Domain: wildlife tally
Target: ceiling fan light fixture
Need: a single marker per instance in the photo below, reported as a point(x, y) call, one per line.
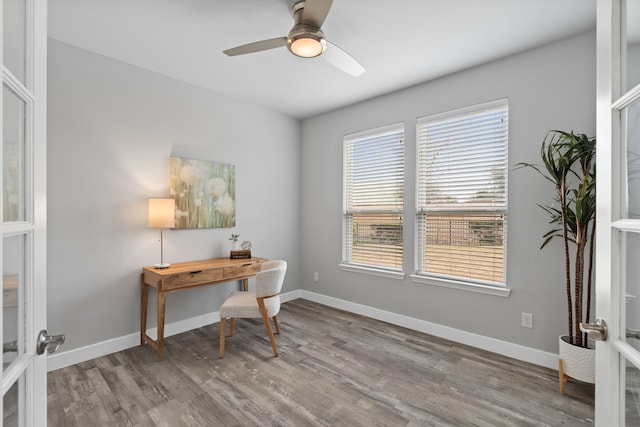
point(306, 38)
point(307, 46)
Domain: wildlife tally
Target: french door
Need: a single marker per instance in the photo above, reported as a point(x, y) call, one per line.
point(618, 212)
point(23, 211)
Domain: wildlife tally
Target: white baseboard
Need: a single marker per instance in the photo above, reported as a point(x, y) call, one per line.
point(516, 351)
point(82, 354)
point(505, 348)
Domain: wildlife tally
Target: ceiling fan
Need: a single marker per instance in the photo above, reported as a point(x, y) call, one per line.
point(306, 38)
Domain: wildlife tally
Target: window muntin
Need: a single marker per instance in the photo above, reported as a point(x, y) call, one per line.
point(461, 181)
point(373, 179)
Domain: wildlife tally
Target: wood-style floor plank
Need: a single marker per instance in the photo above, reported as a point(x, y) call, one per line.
point(335, 369)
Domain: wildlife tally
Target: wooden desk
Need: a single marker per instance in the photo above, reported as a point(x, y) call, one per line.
point(188, 275)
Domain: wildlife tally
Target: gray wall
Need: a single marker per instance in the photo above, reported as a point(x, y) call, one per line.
point(552, 87)
point(112, 128)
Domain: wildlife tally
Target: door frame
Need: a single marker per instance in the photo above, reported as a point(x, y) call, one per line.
point(30, 369)
point(606, 391)
point(612, 98)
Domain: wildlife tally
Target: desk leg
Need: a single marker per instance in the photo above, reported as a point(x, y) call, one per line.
point(245, 284)
point(162, 297)
point(144, 300)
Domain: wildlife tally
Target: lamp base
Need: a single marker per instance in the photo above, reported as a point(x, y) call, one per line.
point(161, 265)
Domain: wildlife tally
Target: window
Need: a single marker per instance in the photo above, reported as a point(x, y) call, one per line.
point(461, 176)
point(373, 199)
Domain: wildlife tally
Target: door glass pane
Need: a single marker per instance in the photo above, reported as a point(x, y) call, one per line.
point(631, 282)
point(631, 137)
point(13, 152)
point(13, 280)
point(13, 413)
point(633, 44)
point(631, 400)
point(14, 23)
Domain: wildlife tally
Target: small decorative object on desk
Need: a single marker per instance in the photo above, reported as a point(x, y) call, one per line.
point(235, 243)
point(240, 254)
point(236, 252)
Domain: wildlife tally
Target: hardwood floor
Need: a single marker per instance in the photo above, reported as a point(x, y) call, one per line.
point(334, 369)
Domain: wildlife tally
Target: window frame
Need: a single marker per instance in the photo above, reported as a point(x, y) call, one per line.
point(452, 281)
point(347, 263)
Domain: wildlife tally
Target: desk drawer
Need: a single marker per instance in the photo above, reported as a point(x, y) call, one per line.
point(183, 280)
point(241, 270)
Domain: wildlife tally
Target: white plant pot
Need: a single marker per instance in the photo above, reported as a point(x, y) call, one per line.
point(235, 245)
point(578, 362)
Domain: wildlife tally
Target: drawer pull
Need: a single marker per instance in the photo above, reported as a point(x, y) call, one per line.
point(247, 264)
point(195, 272)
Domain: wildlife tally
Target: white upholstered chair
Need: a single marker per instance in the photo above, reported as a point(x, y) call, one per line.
point(263, 303)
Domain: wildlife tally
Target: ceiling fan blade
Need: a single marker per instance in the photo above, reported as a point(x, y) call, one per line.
point(256, 46)
point(315, 12)
point(342, 60)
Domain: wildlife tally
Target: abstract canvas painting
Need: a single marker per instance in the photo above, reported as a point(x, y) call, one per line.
point(205, 193)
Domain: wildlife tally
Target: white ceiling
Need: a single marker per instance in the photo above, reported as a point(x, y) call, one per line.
point(400, 42)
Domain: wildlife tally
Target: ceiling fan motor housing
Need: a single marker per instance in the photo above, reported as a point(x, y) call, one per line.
point(304, 40)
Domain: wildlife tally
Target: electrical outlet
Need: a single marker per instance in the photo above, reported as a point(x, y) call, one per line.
point(527, 320)
point(316, 277)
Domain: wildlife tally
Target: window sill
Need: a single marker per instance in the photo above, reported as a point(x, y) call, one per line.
point(463, 286)
point(399, 275)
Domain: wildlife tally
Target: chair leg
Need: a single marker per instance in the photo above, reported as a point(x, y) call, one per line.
point(276, 324)
point(232, 326)
point(223, 332)
point(267, 324)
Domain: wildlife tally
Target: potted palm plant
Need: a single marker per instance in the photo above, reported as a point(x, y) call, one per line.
point(568, 162)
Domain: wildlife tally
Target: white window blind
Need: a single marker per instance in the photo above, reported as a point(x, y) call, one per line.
point(462, 193)
point(373, 197)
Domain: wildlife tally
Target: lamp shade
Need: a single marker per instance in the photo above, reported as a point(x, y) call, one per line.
point(162, 213)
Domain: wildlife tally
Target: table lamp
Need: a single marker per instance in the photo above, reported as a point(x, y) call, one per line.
point(162, 215)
